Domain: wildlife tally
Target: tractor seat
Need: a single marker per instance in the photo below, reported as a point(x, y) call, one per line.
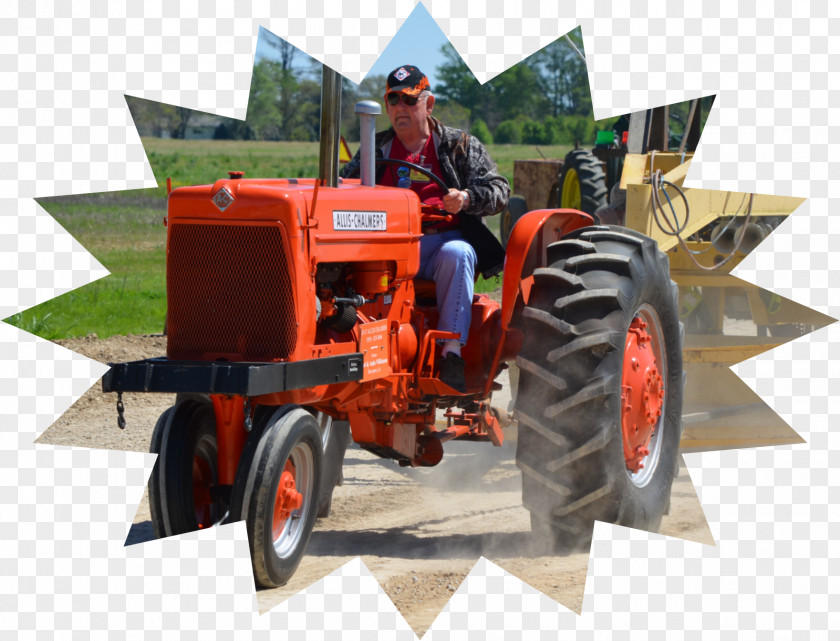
point(425, 291)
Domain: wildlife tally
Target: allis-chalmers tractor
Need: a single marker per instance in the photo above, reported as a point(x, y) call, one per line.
point(294, 316)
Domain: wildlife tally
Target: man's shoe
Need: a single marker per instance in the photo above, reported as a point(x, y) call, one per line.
point(452, 372)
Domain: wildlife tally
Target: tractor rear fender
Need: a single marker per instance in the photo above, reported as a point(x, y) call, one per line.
point(526, 250)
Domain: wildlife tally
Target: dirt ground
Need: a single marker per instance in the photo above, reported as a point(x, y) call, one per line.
point(419, 531)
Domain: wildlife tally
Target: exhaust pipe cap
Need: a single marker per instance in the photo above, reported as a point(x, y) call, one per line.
point(368, 107)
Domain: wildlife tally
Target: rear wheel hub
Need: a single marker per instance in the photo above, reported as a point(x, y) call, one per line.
point(570, 196)
point(642, 394)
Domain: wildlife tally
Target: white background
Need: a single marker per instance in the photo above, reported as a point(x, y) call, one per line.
point(65, 128)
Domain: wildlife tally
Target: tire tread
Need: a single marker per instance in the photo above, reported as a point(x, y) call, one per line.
point(571, 365)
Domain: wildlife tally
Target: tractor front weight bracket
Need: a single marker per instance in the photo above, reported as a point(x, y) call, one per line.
point(231, 378)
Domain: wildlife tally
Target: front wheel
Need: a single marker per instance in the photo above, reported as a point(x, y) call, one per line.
point(277, 491)
point(184, 494)
point(335, 437)
point(599, 402)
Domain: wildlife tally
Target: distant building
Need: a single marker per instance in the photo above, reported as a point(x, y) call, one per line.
point(202, 127)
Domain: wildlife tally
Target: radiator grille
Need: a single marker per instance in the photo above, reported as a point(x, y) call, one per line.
point(229, 293)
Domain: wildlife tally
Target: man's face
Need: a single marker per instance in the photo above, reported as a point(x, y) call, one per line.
point(410, 120)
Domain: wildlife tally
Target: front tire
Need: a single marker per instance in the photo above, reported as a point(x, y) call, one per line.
point(277, 491)
point(335, 437)
point(591, 445)
point(183, 487)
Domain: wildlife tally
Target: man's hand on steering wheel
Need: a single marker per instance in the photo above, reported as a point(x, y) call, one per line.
point(455, 200)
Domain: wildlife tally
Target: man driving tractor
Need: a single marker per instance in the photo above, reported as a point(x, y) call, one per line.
point(296, 314)
point(452, 250)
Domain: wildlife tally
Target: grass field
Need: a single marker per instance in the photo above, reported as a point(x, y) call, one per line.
point(204, 161)
point(124, 230)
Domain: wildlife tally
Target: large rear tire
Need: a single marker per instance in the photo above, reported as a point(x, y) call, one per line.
point(591, 445)
point(183, 487)
point(583, 183)
point(277, 490)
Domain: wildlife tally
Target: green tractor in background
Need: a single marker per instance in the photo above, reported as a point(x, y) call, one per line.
point(589, 180)
point(633, 178)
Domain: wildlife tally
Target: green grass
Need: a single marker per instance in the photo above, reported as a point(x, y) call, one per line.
point(132, 300)
point(113, 220)
point(199, 162)
point(124, 230)
point(205, 161)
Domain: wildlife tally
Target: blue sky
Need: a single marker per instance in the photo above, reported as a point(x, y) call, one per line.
point(417, 42)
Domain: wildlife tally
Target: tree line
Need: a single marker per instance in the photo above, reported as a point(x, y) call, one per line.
point(544, 99)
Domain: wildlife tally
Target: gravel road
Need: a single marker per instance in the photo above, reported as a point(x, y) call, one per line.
point(419, 531)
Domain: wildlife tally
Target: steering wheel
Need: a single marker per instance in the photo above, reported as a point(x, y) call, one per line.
point(426, 215)
point(417, 168)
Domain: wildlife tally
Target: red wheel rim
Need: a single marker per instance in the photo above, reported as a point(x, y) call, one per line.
point(202, 478)
point(642, 394)
point(288, 500)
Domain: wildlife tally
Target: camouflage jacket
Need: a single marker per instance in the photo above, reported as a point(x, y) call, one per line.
point(465, 164)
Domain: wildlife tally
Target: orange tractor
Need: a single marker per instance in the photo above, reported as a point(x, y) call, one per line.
point(294, 320)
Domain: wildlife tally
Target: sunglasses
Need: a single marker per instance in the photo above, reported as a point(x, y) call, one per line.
point(393, 99)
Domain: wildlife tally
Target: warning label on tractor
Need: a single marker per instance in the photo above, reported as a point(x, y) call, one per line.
point(373, 344)
point(360, 221)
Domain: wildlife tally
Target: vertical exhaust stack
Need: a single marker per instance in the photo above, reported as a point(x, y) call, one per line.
point(330, 119)
point(367, 110)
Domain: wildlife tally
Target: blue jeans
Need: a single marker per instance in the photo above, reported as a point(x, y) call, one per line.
point(450, 261)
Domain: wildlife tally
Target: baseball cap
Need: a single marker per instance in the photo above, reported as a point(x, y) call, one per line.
point(407, 79)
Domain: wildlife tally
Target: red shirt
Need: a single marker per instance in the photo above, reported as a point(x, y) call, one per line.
point(428, 191)
point(423, 186)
